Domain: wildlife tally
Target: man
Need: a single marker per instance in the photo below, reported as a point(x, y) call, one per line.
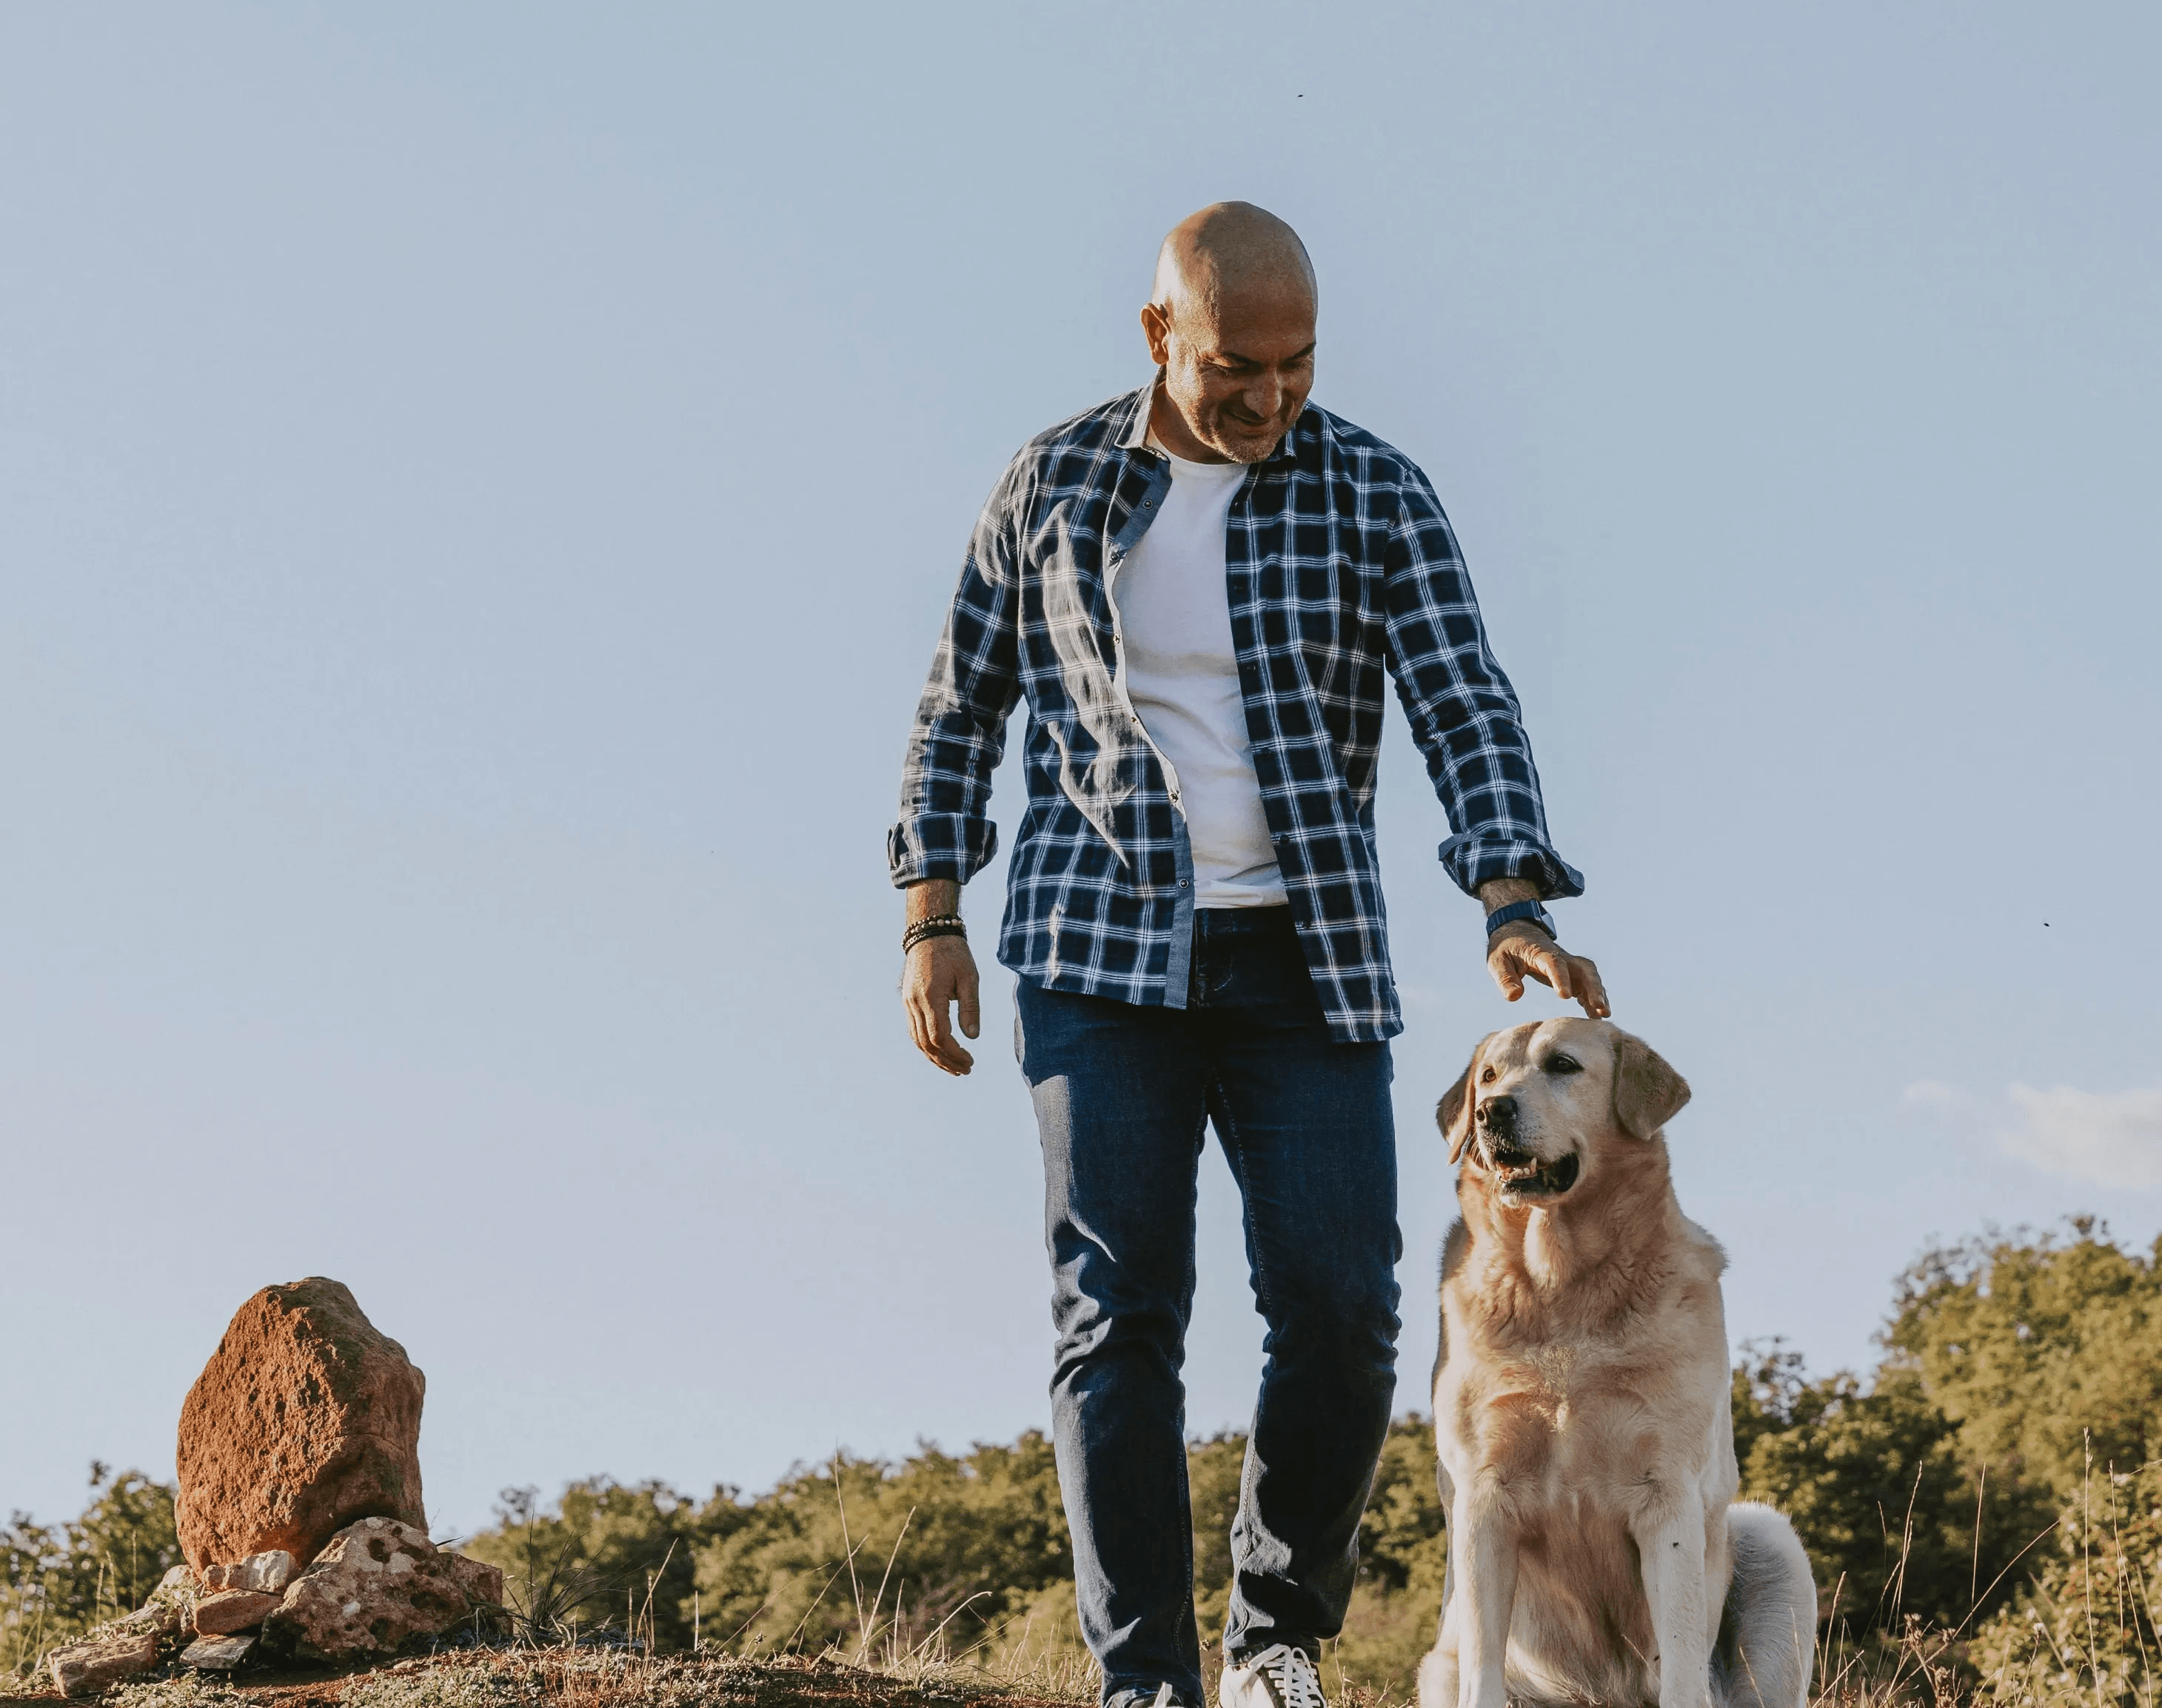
point(1198, 587)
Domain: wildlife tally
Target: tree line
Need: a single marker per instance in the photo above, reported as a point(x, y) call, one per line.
point(1987, 1501)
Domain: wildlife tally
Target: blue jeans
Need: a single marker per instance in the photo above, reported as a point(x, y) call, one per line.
point(1121, 1094)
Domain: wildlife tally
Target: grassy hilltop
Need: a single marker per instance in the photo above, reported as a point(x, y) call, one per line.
point(1985, 1516)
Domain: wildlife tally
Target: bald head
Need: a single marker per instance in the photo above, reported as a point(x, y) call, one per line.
point(1230, 324)
point(1228, 252)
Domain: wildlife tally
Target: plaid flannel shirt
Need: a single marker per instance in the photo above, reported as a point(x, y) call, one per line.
point(1340, 564)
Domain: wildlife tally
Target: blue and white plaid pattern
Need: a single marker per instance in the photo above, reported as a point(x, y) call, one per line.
point(1340, 565)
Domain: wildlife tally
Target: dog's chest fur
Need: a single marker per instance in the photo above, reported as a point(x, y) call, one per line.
point(1576, 1392)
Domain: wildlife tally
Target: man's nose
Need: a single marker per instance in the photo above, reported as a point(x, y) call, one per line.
point(1264, 397)
point(1498, 1114)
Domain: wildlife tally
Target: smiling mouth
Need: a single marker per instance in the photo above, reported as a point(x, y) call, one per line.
point(1532, 1179)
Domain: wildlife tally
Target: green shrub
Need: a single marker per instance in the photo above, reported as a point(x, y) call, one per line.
point(860, 1556)
point(2084, 1624)
point(2043, 1350)
point(1883, 1498)
point(58, 1581)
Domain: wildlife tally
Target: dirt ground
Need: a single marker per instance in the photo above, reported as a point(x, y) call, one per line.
point(552, 1679)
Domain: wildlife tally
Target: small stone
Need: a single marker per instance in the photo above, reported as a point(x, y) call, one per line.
point(181, 1577)
point(377, 1585)
point(225, 1612)
point(159, 1618)
point(92, 1666)
point(216, 1654)
point(482, 1582)
point(269, 1572)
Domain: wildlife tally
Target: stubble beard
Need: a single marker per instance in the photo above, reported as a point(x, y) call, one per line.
point(1246, 447)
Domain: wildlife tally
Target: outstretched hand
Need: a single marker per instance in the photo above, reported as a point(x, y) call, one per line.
point(940, 973)
point(1522, 951)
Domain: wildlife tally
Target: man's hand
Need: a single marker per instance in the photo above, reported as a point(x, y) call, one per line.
point(1522, 951)
point(1519, 951)
point(940, 972)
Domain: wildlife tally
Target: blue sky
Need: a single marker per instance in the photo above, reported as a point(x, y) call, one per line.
point(478, 489)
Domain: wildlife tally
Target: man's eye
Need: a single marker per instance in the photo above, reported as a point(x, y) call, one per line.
point(1563, 1064)
point(1487, 1078)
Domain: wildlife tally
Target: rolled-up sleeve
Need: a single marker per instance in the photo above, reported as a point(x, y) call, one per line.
point(961, 719)
point(1463, 714)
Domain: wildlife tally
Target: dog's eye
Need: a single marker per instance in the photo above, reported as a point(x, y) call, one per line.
point(1563, 1064)
point(1487, 1078)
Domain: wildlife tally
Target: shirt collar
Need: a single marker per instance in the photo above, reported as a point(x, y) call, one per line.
point(1135, 437)
point(1136, 434)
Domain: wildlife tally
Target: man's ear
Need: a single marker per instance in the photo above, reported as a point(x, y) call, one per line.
point(1156, 327)
point(1648, 1094)
point(1453, 1113)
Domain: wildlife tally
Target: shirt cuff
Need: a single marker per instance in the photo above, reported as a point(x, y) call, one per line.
point(949, 845)
point(1481, 856)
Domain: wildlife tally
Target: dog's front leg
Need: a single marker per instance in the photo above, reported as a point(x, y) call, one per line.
point(1482, 1561)
point(1669, 1539)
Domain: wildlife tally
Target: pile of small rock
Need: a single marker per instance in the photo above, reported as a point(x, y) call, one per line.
point(299, 1443)
point(376, 1586)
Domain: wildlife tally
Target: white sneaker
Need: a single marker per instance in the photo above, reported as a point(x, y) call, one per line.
point(1280, 1676)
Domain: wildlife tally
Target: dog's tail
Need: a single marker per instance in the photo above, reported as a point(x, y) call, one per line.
point(1768, 1632)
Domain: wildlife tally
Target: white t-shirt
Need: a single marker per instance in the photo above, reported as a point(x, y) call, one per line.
point(1177, 666)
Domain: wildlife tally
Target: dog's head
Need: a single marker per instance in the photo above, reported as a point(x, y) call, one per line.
point(1538, 1100)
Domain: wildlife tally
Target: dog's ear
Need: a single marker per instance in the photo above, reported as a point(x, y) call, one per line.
point(1648, 1094)
point(1453, 1113)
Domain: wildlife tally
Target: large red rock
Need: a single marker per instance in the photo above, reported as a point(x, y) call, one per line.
point(304, 1419)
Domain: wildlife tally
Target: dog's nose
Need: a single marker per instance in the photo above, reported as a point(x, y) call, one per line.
point(1497, 1115)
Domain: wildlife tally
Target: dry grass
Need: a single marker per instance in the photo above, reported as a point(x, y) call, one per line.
point(582, 1678)
point(1917, 1670)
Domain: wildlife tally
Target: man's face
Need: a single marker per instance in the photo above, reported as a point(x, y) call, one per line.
point(1237, 377)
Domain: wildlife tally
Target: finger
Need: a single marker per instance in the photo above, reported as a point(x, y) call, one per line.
point(1503, 966)
point(1559, 968)
point(972, 1013)
point(922, 1029)
point(1532, 963)
point(947, 1050)
point(942, 1023)
point(911, 1008)
point(950, 1056)
point(1594, 993)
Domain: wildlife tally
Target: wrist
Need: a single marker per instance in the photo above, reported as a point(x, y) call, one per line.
point(1499, 892)
point(929, 898)
point(1529, 911)
point(934, 925)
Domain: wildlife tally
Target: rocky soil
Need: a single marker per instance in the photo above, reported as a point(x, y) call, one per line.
point(580, 1679)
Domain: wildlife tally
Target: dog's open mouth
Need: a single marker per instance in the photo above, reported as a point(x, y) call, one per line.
point(1532, 1179)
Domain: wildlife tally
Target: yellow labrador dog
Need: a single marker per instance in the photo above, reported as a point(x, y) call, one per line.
point(1596, 1553)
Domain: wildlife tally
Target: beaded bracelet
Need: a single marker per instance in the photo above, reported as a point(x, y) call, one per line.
point(937, 925)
